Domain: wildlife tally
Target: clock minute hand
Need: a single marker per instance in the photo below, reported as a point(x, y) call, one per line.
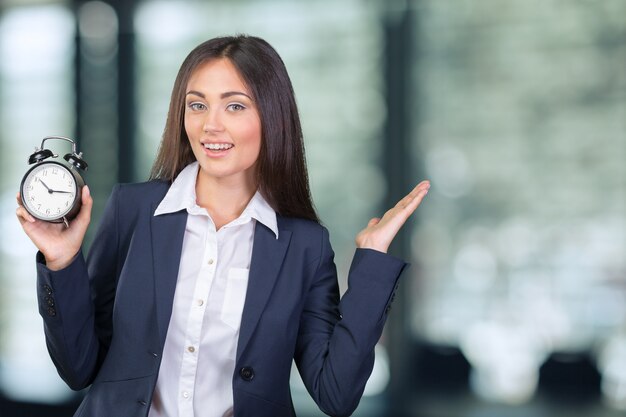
point(63, 192)
point(47, 188)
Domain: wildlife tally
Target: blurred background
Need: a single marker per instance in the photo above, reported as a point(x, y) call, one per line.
point(515, 303)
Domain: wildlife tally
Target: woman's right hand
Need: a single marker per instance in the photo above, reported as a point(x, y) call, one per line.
point(57, 243)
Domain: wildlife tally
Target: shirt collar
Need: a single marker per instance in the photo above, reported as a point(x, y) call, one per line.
point(182, 193)
point(182, 196)
point(260, 210)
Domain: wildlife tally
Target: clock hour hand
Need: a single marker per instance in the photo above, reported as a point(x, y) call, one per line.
point(64, 192)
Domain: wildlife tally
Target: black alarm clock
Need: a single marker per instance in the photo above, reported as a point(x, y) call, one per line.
point(51, 190)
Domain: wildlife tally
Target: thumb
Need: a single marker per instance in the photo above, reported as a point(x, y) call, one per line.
point(84, 215)
point(373, 222)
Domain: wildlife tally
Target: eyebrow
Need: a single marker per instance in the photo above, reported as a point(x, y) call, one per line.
point(223, 95)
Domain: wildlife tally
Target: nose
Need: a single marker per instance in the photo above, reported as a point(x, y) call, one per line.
point(212, 122)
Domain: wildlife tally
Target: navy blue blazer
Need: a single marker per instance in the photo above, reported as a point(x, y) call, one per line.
point(106, 319)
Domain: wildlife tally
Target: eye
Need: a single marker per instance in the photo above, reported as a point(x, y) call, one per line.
point(196, 106)
point(236, 107)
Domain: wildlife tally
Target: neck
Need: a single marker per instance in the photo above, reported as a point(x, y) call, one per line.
point(224, 198)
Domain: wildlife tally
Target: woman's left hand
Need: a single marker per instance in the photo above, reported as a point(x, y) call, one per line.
point(380, 231)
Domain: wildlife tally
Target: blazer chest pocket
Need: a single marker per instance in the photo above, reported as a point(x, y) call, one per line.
point(235, 297)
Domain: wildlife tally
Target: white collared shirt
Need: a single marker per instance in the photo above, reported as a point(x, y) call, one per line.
point(196, 373)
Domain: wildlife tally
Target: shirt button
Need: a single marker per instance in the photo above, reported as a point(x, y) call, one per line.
point(191, 349)
point(210, 262)
point(200, 302)
point(185, 394)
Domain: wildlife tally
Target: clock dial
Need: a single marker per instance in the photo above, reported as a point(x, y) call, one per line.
point(49, 191)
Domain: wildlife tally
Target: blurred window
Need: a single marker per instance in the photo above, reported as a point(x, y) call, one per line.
point(36, 100)
point(522, 131)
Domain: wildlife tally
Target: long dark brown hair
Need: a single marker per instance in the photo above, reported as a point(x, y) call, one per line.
point(281, 168)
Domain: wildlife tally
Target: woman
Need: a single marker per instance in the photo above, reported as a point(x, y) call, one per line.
point(203, 284)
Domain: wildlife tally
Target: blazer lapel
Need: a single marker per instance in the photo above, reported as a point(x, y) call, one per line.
point(267, 258)
point(168, 231)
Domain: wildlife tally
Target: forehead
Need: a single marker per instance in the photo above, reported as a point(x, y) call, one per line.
point(218, 75)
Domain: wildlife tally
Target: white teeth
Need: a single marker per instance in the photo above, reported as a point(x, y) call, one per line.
point(218, 146)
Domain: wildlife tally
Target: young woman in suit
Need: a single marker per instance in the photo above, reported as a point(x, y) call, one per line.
point(204, 283)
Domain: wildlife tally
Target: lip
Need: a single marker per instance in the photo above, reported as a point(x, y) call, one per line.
point(216, 154)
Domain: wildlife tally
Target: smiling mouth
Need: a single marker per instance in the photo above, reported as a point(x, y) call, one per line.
point(218, 147)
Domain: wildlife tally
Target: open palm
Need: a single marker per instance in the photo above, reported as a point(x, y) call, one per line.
point(380, 232)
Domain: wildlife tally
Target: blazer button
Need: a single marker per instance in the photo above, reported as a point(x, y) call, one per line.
point(47, 289)
point(50, 301)
point(51, 311)
point(246, 373)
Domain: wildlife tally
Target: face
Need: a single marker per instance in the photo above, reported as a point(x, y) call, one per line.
point(222, 123)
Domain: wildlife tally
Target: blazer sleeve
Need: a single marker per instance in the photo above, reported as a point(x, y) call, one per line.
point(76, 304)
point(335, 346)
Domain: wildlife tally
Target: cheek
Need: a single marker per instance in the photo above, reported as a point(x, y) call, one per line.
point(189, 125)
point(252, 133)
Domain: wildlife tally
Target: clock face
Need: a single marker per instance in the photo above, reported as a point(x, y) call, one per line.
point(49, 191)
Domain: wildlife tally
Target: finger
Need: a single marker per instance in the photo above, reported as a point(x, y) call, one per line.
point(23, 215)
point(401, 212)
point(418, 189)
point(373, 222)
point(21, 212)
point(415, 201)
